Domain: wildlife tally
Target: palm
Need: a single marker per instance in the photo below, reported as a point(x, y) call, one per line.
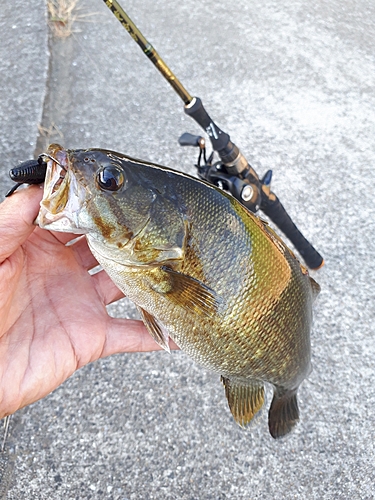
point(53, 318)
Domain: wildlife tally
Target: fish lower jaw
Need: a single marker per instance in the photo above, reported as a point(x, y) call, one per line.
point(60, 222)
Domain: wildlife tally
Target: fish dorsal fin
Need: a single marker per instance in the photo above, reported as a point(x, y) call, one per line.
point(244, 399)
point(157, 332)
point(187, 292)
point(315, 287)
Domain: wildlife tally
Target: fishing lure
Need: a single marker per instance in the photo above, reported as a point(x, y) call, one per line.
point(30, 172)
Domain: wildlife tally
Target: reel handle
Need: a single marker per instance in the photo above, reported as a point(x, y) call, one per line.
point(187, 139)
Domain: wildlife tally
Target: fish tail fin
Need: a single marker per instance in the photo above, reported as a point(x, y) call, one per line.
point(244, 399)
point(283, 414)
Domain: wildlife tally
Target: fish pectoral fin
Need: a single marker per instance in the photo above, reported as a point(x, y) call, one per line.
point(186, 292)
point(283, 413)
point(157, 332)
point(245, 399)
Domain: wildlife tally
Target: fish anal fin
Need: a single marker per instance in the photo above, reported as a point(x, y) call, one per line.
point(186, 292)
point(157, 332)
point(283, 413)
point(245, 399)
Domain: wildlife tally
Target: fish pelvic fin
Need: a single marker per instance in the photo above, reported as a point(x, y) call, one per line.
point(157, 332)
point(283, 413)
point(245, 399)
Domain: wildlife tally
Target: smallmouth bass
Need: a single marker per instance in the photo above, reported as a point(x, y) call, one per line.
point(200, 267)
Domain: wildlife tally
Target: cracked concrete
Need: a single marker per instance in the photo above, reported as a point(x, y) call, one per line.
point(57, 102)
point(293, 84)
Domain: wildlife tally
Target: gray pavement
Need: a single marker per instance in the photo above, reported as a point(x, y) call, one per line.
point(294, 85)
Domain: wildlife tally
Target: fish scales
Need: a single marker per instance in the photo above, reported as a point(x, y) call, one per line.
point(201, 269)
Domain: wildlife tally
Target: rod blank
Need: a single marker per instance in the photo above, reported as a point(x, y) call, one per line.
point(148, 49)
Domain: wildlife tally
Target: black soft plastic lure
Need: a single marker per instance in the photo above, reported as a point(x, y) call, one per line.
point(29, 172)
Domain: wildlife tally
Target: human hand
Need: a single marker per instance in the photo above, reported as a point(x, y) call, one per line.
point(53, 318)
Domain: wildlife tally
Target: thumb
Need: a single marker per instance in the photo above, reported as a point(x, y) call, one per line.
point(17, 214)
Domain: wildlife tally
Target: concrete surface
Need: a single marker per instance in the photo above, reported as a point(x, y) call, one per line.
point(24, 60)
point(294, 85)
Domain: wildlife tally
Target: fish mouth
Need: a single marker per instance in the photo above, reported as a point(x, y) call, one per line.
point(63, 196)
point(56, 176)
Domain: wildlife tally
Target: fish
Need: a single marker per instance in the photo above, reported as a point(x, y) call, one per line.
point(201, 269)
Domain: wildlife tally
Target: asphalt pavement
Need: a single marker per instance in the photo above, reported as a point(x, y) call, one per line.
point(294, 85)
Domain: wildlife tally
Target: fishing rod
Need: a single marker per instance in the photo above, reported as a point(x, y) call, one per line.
point(233, 172)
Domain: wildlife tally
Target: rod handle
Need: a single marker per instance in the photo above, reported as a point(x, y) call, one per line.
point(220, 140)
point(273, 208)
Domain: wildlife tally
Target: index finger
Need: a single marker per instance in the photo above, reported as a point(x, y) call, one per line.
point(17, 214)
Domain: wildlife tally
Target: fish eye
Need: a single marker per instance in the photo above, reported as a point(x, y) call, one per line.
point(110, 178)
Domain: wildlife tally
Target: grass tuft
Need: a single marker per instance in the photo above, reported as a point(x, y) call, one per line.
point(62, 15)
